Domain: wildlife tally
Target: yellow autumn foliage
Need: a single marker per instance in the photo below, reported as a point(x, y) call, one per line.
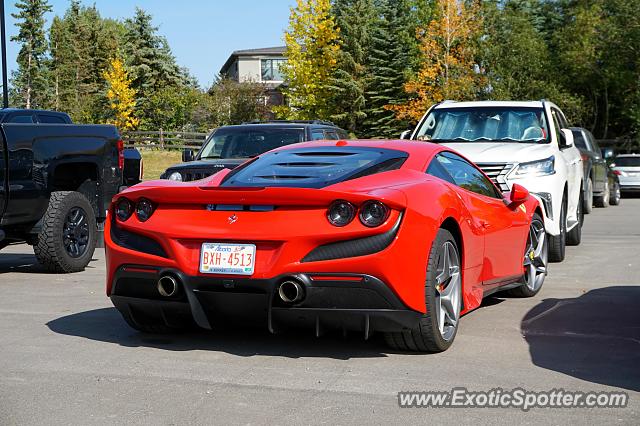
point(448, 69)
point(121, 96)
point(312, 41)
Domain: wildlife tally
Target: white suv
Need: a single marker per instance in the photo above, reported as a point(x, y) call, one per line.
point(518, 142)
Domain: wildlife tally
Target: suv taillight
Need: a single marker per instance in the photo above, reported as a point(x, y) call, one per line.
point(120, 154)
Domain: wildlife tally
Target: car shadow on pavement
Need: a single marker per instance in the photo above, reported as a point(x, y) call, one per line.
point(594, 337)
point(20, 262)
point(23, 263)
point(107, 325)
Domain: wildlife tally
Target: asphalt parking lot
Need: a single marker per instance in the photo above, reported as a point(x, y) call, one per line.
point(67, 357)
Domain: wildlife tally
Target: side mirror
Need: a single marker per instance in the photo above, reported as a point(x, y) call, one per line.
point(607, 153)
point(566, 138)
point(406, 134)
point(187, 155)
point(518, 195)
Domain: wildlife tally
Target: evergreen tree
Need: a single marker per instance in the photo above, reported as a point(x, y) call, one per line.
point(389, 64)
point(149, 57)
point(355, 20)
point(312, 48)
point(30, 81)
point(150, 62)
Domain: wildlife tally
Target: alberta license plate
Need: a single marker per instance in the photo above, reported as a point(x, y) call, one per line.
point(237, 259)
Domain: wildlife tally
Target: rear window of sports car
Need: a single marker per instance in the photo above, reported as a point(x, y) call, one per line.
point(314, 167)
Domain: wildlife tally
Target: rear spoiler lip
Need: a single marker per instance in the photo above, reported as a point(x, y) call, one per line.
point(281, 196)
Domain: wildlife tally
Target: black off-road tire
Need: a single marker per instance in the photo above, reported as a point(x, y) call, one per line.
point(426, 337)
point(49, 248)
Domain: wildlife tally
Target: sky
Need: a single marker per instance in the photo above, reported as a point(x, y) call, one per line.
point(202, 34)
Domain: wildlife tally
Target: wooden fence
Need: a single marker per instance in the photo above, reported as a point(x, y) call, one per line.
point(164, 140)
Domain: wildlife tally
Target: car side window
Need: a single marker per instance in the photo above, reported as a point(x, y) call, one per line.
point(467, 176)
point(50, 119)
point(343, 135)
point(436, 169)
point(317, 135)
point(331, 135)
point(23, 118)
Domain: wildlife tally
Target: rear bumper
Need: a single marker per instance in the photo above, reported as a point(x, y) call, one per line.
point(345, 301)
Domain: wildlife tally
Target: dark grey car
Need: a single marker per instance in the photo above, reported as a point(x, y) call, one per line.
point(601, 185)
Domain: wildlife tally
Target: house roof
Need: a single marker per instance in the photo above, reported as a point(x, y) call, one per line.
point(265, 51)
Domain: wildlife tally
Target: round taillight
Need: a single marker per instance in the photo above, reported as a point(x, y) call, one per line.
point(144, 209)
point(373, 213)
point(124, 209)
point(341, 213)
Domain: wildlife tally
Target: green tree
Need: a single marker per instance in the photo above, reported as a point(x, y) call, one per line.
point(30, 81)
point(355, 20)
point(151, 64)
point(312, 49)
point(389, 64)
point(81, 45)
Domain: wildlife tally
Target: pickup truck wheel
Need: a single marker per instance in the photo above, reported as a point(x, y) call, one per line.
point(602, 201)
point(68, 237)
point(588, 197)
point(557, 243)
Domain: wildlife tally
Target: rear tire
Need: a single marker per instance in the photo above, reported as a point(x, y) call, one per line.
point(588, 198)
point(557, 243)
point(616, 195)
point(68, 236)
point(443, 297)
point(535, 260)
point(574, 237)
point(602, 201)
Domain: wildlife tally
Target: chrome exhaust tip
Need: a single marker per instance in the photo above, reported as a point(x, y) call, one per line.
point(168, 286)
point(291, 291)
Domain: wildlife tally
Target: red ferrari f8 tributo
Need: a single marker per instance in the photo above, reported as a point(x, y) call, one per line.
point(397, 237)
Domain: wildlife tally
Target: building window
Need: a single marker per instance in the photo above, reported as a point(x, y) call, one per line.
point(271, 69)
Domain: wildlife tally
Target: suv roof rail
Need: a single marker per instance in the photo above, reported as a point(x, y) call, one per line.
point(447, 101)
point(323, 122)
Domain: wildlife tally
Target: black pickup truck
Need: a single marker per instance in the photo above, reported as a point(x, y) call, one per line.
point(56, 182)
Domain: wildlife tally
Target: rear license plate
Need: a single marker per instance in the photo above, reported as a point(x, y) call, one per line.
point(236, 259)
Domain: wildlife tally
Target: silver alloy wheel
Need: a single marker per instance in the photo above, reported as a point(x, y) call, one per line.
point(536, 256)
point(448, 290)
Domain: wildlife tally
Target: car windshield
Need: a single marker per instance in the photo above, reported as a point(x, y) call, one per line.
point(247, 142)
point(485, 124)
point(314, 167)
point(627, 162)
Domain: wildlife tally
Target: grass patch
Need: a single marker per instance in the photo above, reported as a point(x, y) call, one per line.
point(156, 162)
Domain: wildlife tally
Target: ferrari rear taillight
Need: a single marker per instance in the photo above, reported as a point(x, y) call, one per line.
point(144, 209)
point(341, 213)
point(120, 146)
point(373, 213)
point(124, 209)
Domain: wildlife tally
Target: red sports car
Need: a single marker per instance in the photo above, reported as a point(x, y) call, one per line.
point(392, 236)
